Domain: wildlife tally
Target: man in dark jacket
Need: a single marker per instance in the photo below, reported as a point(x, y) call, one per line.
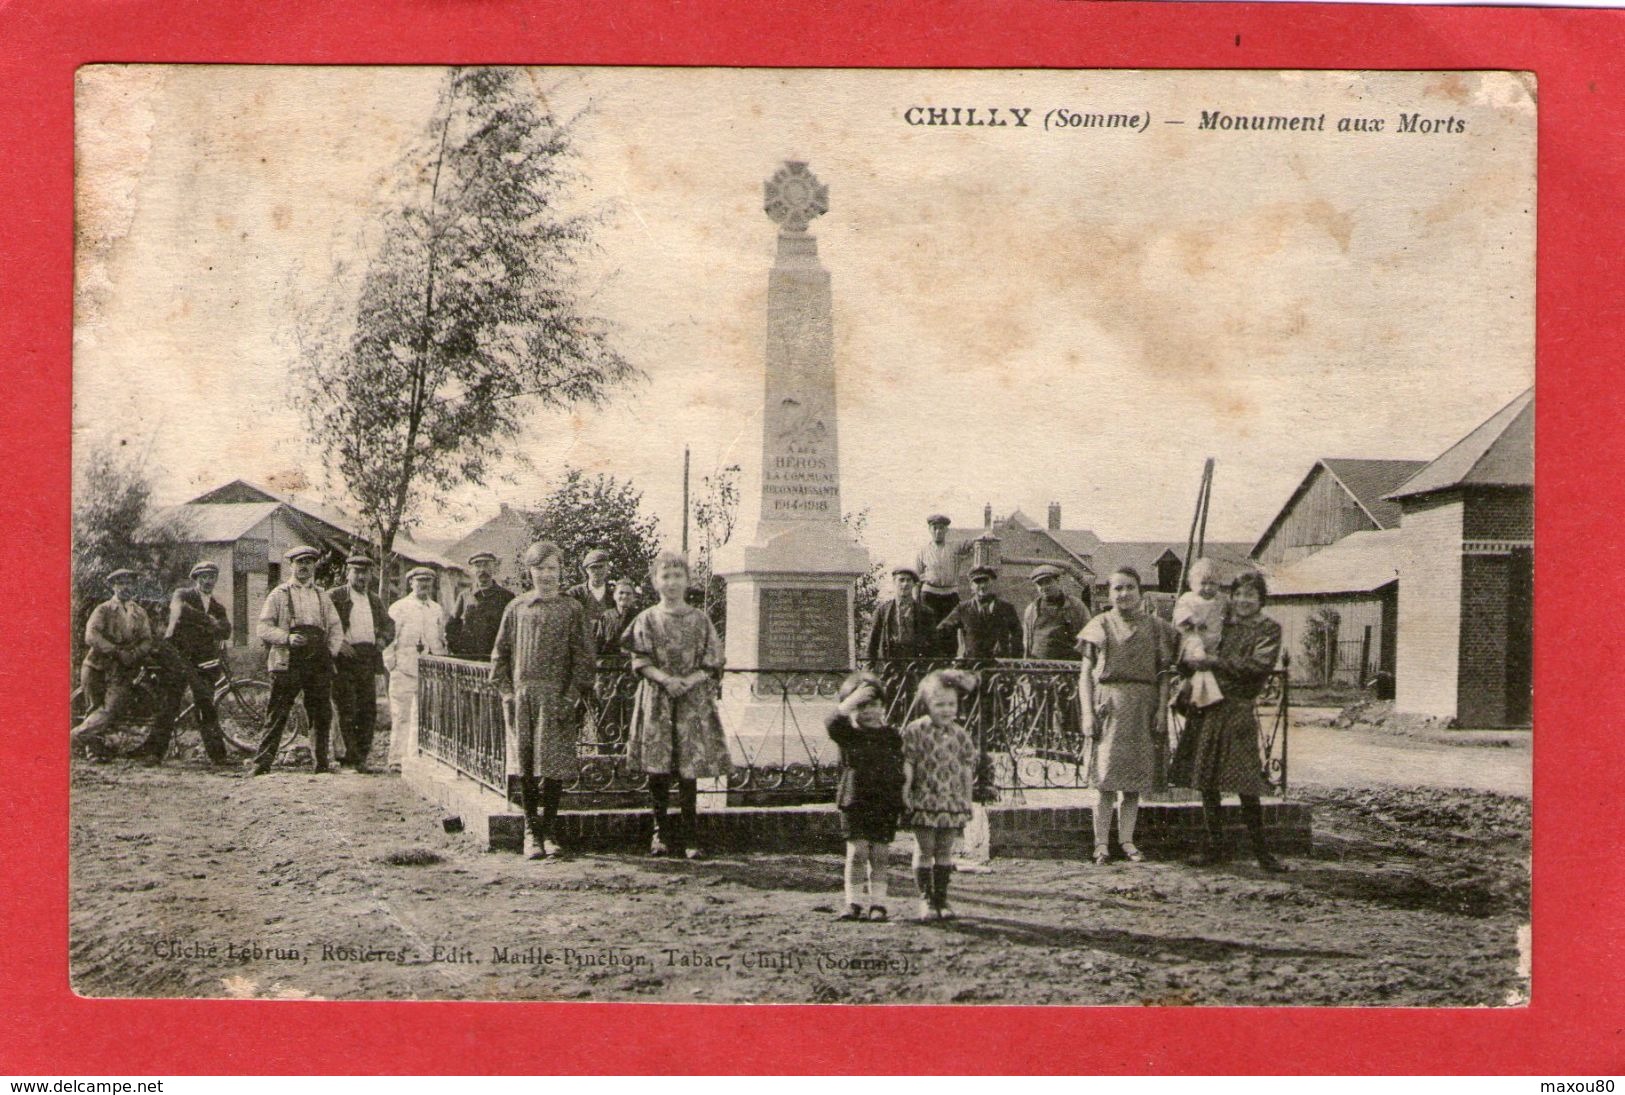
point(198, 624)
point(597, 593)
point(367, 630)
point(988, 626)
point(903, 627)
point(471, 630)
point(1053, 619)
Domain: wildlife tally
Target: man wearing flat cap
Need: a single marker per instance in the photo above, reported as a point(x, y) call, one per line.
point(198, 624)
point(119, 638)
point(938, 569)
point(595, 594)
point(986, 625)
point(367, 630)
point(301, 632)
point(420, 628)
point(902, 628)
point(1053, 619)
point(472, 626)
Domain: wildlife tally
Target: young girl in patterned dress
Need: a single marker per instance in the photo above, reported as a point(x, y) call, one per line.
point(939, 771)
point(676, 731)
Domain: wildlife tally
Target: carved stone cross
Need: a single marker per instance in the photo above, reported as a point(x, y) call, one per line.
point(794, 196)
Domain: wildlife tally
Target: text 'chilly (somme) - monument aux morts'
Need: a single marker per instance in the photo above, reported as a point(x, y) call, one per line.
point(791, 583)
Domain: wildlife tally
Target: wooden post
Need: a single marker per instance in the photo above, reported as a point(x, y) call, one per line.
point(685, 501)
point(1365, 656)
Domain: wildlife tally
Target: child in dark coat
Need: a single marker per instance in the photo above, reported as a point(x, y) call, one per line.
point(870, 792)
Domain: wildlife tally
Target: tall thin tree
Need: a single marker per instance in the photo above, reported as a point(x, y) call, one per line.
point(470, 309)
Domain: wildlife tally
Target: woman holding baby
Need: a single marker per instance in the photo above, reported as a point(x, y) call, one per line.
point(1218, 751)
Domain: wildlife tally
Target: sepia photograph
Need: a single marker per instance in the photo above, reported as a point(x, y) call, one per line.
point(840, 536)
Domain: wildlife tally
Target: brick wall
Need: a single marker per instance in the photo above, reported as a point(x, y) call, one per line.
point(1426, 670)
point(1483, 680)
point(1500, 515)
point(1043, 832)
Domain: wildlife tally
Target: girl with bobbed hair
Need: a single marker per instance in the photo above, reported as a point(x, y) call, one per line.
point(1218, 752)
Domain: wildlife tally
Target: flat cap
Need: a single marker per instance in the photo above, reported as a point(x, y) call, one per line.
point(359, 560)
point(938, 519)
point(478, 555)
point(906, 568)
point(204, 567)
point(123, 574)
point(983, 572)
point(303, 551)
point(1045, 572)
point(595, 556)
point(419, 572)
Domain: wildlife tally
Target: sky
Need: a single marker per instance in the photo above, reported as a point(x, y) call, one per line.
point(1022, 315)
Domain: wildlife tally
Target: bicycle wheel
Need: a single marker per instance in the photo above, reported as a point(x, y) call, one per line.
point(242, 706)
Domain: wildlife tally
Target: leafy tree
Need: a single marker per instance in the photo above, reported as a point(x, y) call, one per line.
point(583, 513)
point(716, 512)
point(867, 593)
point(469, 309)
point(116, 526)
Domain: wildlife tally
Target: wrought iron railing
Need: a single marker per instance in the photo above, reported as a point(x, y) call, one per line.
point(1024, 716)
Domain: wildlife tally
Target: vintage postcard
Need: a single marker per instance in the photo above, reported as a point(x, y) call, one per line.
point(803, 536)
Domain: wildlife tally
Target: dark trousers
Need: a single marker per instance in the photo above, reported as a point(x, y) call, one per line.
point(184, 674)
point(937, 606)
point(355, 694)
point(310, 673)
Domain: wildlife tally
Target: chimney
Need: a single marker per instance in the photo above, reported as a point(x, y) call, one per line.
point(504, 509)
point(1054, 515)
point(987, 515)
point(986, 552)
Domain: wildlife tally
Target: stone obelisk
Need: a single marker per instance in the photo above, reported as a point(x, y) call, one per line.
point(790, 584)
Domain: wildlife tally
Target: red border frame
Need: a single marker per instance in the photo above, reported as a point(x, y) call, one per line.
point(1572, 1027)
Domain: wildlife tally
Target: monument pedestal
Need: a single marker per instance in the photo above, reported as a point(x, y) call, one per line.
point(789, 641)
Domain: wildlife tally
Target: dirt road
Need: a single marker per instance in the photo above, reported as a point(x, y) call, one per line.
point(187, 882)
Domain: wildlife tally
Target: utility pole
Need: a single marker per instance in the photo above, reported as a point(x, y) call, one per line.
point(685, 500)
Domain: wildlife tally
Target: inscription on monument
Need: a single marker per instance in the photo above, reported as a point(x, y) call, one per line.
point(803, 629)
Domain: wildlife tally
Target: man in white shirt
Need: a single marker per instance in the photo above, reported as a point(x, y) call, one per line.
point(420, 628)
point(367, 630)
point(301, 633)
point(939, 580)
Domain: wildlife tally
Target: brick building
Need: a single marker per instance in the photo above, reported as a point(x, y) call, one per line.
point(1016, 545)
point(1466, 599)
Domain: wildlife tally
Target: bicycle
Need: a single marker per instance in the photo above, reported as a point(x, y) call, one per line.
point(240, 702)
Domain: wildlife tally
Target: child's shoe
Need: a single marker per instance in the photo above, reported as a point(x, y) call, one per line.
point(657, 847)
point(1133, 854)
point(1103, 855)
point(853, 912)
point(693, 853)
point(878, 913)
point(923, 911)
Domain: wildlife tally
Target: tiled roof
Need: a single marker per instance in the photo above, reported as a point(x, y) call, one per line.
point(1142, 555)
point(1499, 453)
point(1358, 563)
point(243, 492)
point(221, 523)
point(1370, 481)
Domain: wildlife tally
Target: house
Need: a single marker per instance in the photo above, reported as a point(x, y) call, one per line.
point(1466, 601)
point(1016, 545)
point(506, 536)
point(1355, 582)
point(244, 528)
point(1335, 499)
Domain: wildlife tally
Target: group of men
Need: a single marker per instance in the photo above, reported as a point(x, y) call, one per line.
point(324, 647)
point(927, 619)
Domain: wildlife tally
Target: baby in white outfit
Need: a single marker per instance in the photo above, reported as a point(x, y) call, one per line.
point(1199, 616)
